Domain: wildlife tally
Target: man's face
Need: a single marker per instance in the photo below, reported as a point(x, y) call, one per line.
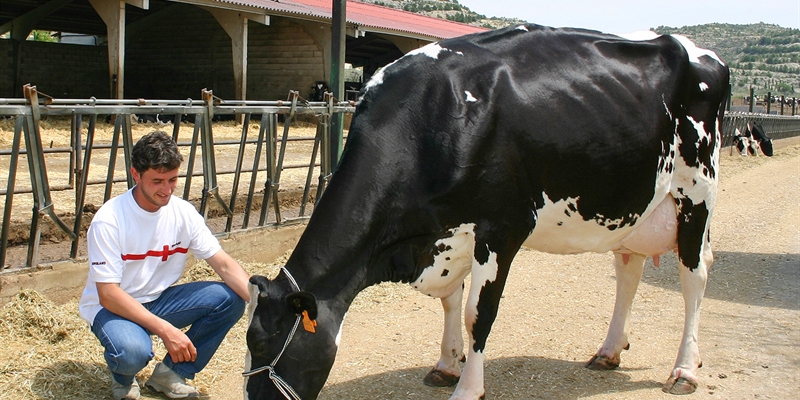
point(154, 187)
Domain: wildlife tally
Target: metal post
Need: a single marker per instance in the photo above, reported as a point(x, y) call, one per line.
point(210, 187)
point(730, 98)
point(12, 180)
point(769, 102)
point(752, 98)
point(42, 203)
point(783, 100)
point(338, 47)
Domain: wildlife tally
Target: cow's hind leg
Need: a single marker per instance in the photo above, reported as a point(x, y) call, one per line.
point(683, 379)
point(628, 276)
point(447, 369)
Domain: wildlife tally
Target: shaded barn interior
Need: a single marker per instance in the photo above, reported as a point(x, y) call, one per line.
point(173, 49)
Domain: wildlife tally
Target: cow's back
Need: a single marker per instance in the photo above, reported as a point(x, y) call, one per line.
point(575, 128)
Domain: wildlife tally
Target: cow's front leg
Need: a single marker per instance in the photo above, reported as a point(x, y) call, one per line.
point(683, 379)
point(480, 311)
point(629, 273)
point(447, 369)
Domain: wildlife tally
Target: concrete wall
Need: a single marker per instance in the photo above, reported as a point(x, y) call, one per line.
point(59, 70)
point(282, 57)
point(178, 57)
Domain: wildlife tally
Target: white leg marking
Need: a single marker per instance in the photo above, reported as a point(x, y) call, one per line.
point(452, 341)
point(470, 386)
point(628, 277)
point(693, 284)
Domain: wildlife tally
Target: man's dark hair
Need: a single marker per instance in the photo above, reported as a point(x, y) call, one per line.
point(157, 151)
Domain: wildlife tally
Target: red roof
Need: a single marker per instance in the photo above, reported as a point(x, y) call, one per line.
point(368, 17)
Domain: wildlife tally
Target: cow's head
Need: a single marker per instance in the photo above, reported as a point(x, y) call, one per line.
point(304, 358)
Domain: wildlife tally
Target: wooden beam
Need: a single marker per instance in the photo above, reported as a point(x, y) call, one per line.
point(22, 26)
point(113, 14)
point(235, 24)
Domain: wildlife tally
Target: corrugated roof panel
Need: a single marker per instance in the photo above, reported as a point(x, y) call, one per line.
point(368, 15)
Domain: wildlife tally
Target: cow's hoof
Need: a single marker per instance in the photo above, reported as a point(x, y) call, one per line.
point(679, 386)
point(438, 378)
point(602, 363)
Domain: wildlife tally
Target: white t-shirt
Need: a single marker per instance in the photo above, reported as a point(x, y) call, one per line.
point(145, 252)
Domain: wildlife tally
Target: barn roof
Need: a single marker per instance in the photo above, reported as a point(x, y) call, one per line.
point(367, 17)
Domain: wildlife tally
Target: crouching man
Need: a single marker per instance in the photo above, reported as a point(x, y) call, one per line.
point(138, 244)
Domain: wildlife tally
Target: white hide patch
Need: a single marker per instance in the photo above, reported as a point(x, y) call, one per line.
point(694, 52)
point(431, 50)
point(639, 35)
point(484, 273)
point(700, 127)
point(690, 180)
point(375, 81)
point(469, 97)
point(522, 28)
point(560, 229)
point(666, 107)
point(703, 86)
point(339, 334)
point(451, 265)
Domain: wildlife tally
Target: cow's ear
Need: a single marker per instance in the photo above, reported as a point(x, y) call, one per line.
point(302, 301)
point(262, 285)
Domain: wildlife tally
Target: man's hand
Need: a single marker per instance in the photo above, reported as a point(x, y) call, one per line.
point(180, 348)
point(114, 299)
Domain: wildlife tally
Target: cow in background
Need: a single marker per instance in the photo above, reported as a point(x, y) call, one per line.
point(318, 91)
point(459, 153)
point(753, 140)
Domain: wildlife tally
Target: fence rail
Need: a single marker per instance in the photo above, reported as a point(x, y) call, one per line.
point(268, 159)
point(261, 192)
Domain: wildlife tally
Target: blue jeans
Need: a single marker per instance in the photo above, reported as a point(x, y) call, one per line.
point(211, 308)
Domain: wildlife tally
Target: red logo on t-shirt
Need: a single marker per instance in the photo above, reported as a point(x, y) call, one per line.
point(164, 254)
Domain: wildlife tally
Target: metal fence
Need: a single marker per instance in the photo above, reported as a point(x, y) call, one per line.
point(273, 120)
point(775, 126)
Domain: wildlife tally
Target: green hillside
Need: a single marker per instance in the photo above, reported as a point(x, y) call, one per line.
point(762, 56)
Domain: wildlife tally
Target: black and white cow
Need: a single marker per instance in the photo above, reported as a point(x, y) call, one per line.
point(744, 143)
point(459, 153)
point(753, 140)
point(759, 136)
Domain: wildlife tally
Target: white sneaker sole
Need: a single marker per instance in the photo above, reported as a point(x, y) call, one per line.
point(161, 389)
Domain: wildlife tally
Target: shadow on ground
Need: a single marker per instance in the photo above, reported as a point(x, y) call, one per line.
point(506, 378)
point(765, 280)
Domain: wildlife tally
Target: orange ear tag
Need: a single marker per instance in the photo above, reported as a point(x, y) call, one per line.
point(308, 323)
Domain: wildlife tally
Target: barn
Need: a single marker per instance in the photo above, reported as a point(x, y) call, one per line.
point(171, 49)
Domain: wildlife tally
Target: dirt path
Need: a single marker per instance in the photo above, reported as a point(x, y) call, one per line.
point(556, 309)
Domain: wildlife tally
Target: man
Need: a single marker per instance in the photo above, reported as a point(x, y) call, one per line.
point(138, 244)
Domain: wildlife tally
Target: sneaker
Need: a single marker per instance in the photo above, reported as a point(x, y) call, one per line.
point(174, 386)
point(124, 392)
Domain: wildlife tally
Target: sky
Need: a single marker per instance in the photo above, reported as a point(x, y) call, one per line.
point(623, 16)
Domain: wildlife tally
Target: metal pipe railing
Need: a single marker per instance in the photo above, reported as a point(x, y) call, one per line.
point(28, 113)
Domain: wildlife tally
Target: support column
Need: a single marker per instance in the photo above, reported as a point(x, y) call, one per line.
point(235, 25)
point(338, 36)
point(113, 14)
point(321, 33)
